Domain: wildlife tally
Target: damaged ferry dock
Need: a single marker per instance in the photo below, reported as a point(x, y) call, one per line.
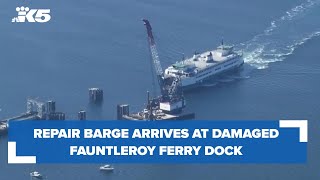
point(36, 110)
point(168, 105)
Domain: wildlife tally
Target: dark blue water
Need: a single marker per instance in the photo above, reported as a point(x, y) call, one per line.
point(95, 43)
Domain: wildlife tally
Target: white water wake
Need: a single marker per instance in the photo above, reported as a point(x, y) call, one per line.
point(279, 40)
point(283, 36)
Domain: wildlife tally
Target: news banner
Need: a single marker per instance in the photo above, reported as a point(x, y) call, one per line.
point(238, 141)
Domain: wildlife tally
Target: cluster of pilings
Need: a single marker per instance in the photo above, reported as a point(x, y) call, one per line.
point(48, 110)
point(95, 95)
point(51, 113)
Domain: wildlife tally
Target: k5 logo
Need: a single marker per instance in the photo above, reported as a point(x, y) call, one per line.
point(32, 15)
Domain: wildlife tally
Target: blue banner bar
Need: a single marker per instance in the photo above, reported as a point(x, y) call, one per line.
point(273, 141)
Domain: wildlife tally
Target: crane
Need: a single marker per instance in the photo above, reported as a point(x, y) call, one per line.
point(154, 55)
point(171, 93)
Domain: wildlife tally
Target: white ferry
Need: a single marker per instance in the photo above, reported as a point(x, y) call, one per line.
point(193, 71)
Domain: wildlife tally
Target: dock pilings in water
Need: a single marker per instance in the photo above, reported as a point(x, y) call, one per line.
point(122, 109)
point(82, 115)
point(95, 95)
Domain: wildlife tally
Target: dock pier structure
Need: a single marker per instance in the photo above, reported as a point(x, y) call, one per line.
point(37, 107)
point(36, 110)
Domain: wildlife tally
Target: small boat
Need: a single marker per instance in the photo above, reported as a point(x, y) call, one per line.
point(3, 128)
point(106, 167)
point(36, 174)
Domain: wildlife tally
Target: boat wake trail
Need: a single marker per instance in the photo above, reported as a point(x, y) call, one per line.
point(283, 36)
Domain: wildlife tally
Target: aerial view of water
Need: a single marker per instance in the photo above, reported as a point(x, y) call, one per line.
point(103, 43)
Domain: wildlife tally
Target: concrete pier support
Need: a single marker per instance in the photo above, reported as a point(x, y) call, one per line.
point(82, 115)
point(51, 107)
point(95, 95)
point(122, 109)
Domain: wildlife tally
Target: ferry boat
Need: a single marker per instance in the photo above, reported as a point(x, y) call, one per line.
point(194, 71)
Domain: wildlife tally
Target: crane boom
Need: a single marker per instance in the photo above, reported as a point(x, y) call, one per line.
point(153, 49)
